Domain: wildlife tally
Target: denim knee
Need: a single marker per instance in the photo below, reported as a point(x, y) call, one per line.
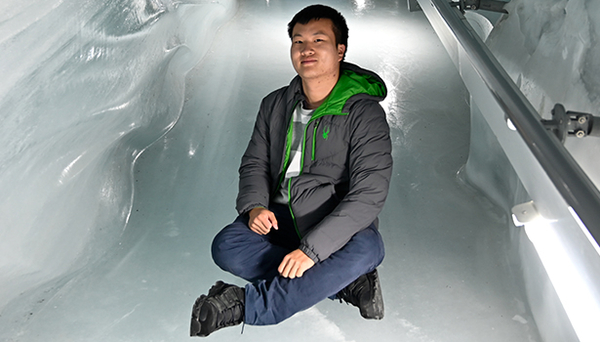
point(219, 256)
point(224, 247)
point(375, 252)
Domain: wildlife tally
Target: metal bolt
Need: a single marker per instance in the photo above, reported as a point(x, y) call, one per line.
point(582, 120)
point(580, 133)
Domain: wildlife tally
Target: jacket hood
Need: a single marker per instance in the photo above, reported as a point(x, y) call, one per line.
point(354, 83)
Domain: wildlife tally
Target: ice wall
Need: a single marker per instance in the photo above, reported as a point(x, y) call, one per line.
point(549, 49)
point(86, 87)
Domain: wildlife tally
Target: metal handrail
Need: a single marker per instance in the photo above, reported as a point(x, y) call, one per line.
point(570, 180)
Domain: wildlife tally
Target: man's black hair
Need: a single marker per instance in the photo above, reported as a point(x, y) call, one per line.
point(316, 12)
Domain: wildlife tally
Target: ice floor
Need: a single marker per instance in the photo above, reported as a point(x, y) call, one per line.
point(446, 276)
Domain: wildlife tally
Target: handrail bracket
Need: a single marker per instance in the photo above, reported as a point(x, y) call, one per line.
point(564, 123)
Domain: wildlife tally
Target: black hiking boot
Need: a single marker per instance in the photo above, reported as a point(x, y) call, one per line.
point(222, 307)
point(365, 293)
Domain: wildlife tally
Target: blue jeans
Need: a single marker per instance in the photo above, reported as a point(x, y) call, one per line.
point(271, 298)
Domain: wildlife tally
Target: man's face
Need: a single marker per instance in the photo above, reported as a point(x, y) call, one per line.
point(314, 51)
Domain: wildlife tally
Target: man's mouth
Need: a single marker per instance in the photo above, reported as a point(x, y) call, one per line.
point(308, 61)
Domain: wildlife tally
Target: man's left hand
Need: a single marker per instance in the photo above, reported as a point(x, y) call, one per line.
point(295, 264)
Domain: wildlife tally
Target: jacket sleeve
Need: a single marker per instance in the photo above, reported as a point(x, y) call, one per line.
point(370, 164)
point(255, 179)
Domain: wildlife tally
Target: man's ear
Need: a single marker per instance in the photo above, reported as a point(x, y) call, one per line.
point(341, 50)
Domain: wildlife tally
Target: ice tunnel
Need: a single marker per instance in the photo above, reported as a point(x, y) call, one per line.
point(123, 124)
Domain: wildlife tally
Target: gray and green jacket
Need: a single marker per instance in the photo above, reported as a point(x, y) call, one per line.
point(346, 164)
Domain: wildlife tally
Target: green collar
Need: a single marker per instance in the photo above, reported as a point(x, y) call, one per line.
point(349, 84)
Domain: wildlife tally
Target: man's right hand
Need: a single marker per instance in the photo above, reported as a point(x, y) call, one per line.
point(262, 220)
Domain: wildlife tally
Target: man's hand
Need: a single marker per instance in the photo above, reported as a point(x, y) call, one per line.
point(295, 264)
point(262, 220)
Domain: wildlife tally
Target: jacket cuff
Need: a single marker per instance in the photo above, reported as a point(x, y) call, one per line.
point(249, 208)
point(309, 252)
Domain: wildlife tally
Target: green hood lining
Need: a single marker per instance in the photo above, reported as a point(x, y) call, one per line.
point(349, 84)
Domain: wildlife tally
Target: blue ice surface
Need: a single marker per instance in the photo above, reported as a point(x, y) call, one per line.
point(123, 124)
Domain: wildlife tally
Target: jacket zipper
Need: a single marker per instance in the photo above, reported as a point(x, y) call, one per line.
point(288, 149)
point(314, 139)
point(289, 186)
point(286, 164)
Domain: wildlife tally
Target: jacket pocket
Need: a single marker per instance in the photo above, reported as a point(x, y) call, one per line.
point(312, 198)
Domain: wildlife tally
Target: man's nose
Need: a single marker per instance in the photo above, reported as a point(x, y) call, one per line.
point(307, 49)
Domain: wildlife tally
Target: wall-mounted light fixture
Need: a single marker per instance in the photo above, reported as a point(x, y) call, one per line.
point(510, 124)
point(573, 288)
point(524, 213)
